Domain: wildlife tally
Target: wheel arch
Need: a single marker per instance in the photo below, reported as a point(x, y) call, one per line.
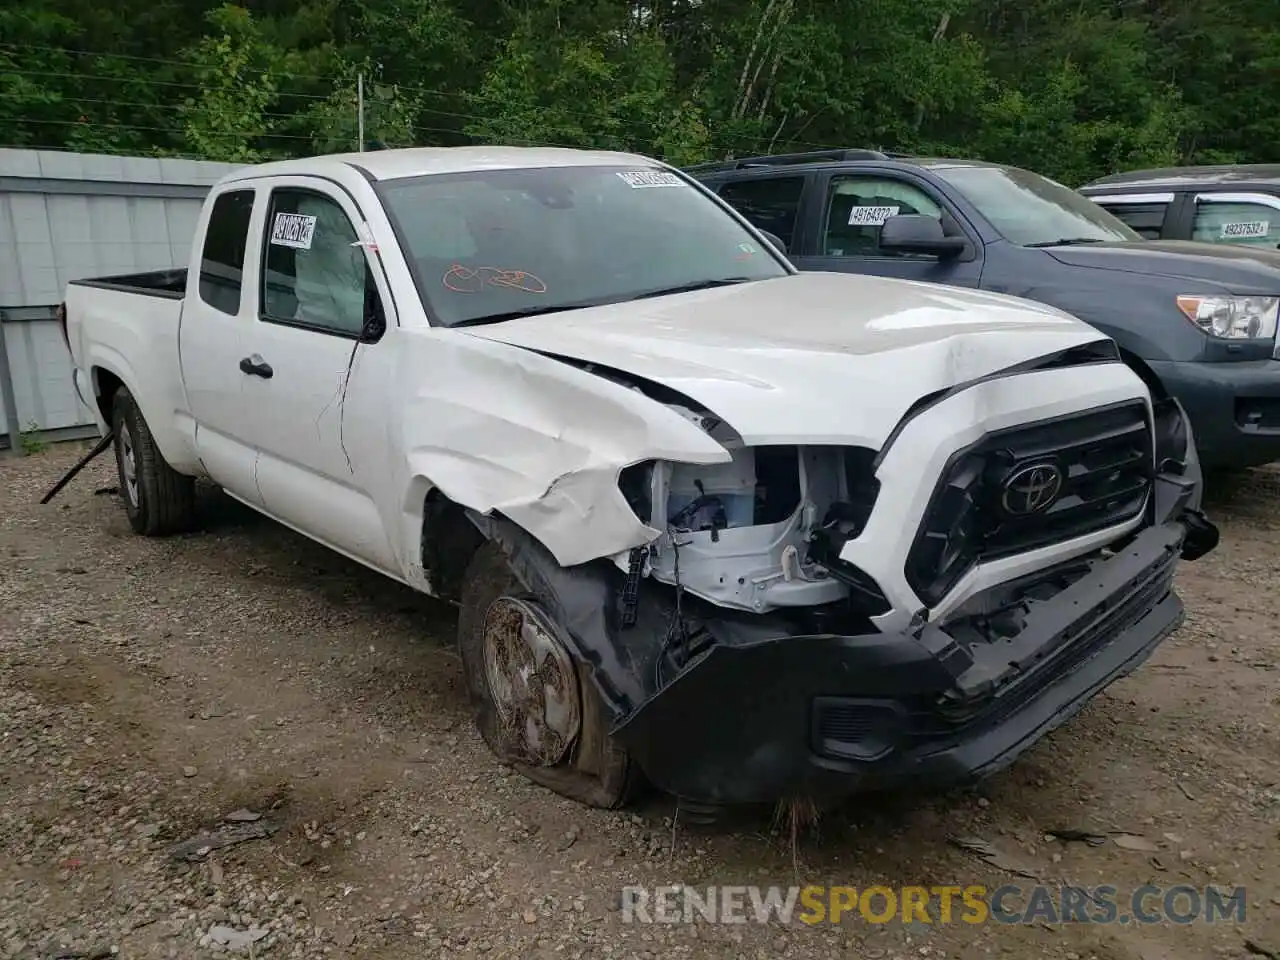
point(106, 384)
point(1143, 370)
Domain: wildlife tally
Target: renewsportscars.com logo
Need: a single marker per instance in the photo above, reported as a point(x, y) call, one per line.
point(973, 904)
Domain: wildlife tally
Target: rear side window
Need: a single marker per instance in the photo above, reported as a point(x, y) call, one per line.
point(770, 204)
point(1146, 219)
point(226, 240)
point(1254, 224)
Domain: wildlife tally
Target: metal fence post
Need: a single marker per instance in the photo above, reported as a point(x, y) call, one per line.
point(8, 396)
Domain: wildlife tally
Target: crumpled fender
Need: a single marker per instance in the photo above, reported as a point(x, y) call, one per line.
point(502, 429)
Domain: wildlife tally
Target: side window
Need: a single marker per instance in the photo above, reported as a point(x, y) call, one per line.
point(770, 204)
point(1146, 219)
point(314, 272)
point(226, 239)
point(857, 208)
point(1254, 224)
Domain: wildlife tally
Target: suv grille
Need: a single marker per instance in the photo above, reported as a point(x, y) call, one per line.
point(1031, 486)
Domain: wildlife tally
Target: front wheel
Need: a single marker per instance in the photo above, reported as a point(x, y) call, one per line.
point(157, 499)
point(536, 707)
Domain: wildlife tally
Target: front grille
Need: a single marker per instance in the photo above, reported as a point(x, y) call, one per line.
point(1031, 486)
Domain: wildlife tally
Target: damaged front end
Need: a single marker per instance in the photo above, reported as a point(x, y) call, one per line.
point(740, 655)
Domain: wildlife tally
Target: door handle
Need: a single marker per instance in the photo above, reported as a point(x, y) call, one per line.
point(255, 366)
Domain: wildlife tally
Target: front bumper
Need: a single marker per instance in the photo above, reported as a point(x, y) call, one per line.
point(828, 716)
point(1234, 408)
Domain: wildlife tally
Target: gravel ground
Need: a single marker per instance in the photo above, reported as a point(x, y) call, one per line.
point(246, 680)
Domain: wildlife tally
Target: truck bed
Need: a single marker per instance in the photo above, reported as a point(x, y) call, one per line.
point(124, 330)
point(170, 284)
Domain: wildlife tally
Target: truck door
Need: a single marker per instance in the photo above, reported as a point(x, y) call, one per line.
point(218, 305)
point(304, 366)
point(855, 206)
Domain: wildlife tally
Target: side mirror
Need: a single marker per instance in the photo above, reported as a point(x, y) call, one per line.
point(374, 328)
point(774, 239)
point(916, 233)
point(375, 321)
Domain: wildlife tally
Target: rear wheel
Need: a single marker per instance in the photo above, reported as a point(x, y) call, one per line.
point(157, 499)
point(535, 706)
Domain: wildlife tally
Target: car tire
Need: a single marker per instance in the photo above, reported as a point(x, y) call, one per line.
point(158, 500)
point(594, 769)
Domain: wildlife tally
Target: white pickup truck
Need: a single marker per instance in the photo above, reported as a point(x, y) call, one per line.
point(744, 533)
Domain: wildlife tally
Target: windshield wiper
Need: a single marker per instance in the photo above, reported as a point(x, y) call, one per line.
point(1065, 242)
point(584, 304)
point(690, 287)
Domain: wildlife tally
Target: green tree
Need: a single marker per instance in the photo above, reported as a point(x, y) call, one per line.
point(389, 114)
point(613, 91)
point(228, 119)
point(1072, 88)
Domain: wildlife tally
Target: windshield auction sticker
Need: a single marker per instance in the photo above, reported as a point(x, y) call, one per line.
point(1246, 230)
point(293, 230)
point(637, 179)
point(871, 216)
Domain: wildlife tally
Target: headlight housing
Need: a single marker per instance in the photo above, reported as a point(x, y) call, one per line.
point(1232, 318)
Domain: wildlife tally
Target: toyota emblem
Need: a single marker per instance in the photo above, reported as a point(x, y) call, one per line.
point(1031, 489)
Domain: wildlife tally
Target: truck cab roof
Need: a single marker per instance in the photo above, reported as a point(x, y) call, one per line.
point(409, 162)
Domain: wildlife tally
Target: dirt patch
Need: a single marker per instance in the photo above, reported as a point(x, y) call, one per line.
point(149, 688)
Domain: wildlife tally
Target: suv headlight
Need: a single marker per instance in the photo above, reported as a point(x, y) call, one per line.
point(1232, 318)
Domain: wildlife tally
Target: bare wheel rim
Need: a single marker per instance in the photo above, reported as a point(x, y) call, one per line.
point(128, 464)
point(532, 681)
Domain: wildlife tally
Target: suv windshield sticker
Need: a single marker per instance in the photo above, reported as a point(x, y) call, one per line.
point(871, 216)
point(1246, 230)
point(638, 179)
point(293, 230)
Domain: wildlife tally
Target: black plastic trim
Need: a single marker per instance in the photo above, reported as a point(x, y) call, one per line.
point(121, 284)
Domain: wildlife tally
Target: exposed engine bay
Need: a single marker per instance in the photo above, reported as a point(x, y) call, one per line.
point(762, 532)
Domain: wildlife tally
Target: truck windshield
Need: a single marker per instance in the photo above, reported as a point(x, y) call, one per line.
point(489, 245)
point(1032, 211)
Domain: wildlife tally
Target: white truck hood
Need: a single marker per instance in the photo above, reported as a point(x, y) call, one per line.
point(809, 358)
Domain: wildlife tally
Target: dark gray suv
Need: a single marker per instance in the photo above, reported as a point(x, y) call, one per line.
point(1196, 320)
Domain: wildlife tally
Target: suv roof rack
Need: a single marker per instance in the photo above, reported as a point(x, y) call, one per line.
point(815, 156)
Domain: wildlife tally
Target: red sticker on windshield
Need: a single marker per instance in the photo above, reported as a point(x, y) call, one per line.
point(461, 279)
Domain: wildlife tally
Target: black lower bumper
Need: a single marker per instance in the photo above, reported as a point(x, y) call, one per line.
point(1234, 408)
point(828, 716)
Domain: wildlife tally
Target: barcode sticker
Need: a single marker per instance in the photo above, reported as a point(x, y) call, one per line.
point(871, 216)
point(1246, 230)
point(293, 230)
point(637, 179)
